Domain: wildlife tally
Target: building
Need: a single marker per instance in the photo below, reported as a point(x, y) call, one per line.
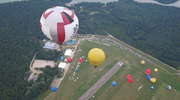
point(51, 45)
point(62, 65)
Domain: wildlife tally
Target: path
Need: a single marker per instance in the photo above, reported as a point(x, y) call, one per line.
point(89, 93)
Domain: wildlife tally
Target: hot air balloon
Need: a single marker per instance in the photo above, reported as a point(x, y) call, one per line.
point(148, 77)
point(59, 24)
point(153, 80)
point(80, 60)
point(142, 62)
point(156, 69)
point(114, 83)
point(96, 57)
point(129, 78)
point(148, 71)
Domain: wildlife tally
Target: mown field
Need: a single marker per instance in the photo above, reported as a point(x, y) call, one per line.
point(72, 90)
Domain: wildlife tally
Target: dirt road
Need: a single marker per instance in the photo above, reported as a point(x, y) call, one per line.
point(89, 93)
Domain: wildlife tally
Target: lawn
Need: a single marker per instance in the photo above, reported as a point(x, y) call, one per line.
point(72, 90)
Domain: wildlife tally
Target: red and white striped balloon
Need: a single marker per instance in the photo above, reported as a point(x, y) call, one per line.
point(59, 24)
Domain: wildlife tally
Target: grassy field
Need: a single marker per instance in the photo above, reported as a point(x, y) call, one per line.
point(72, 90)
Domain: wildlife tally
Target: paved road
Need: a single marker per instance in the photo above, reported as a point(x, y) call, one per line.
point(89, 93)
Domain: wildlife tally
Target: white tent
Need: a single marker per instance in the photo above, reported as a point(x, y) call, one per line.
point(68, 52)
point(62, 65)
point(50, 45)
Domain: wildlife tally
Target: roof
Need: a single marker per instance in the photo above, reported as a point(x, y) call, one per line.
point(62, 65)
point(68, 52)
point(50, 45)
point(70, 42)
point(53, 89)
point(42, 63)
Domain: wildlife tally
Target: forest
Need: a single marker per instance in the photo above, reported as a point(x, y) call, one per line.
point(153, 29)
point(166, 1)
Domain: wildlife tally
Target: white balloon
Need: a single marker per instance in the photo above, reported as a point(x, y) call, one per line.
point(59, 24)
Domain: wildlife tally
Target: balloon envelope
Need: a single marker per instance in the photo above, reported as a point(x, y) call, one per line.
point(142, 62)
point(130, 81)
point(114, 83)
point(156, 69)
point(153, 80)
point(80, 60)
point(59, 24)
point(129, 78)
point(148, 77)
point(148, 71)
point(96, 56)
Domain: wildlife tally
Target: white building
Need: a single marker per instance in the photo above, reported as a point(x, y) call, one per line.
point(62, 65)
point(68, 52)
point(51, 45)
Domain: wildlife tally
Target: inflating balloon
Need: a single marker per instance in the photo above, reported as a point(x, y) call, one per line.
point(96, 57)
point(156, 69)
point(153, 80)
point(59, 24)
point(148, 71)
point(142, 62)
point(114, 83)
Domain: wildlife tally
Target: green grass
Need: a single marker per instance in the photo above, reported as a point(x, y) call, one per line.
point(70, 90)
point(41, 97)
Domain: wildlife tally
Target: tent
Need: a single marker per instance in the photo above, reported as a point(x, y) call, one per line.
point(53, 89)
point(68, 52)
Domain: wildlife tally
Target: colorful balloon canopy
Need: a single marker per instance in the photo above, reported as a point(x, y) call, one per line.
point(96, 56)
point(59, 24)
point(69, 59)
point(80, 60)
point(153, 80)
point(156, 69)
point(114, 83)
point(148, 71)
point(148, 77)
point(142, 62)
point(129, 78)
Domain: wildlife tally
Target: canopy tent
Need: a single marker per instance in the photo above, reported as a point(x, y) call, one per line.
point(62, 65)
point(68, 52)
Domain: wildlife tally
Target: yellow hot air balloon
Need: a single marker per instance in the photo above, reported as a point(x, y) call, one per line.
point(156, 69)
point(153, 80)
point(96, 57)
point(142, 62)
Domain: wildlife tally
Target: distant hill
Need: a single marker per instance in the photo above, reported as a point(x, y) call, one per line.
point(166, 1)
point(151, 28)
